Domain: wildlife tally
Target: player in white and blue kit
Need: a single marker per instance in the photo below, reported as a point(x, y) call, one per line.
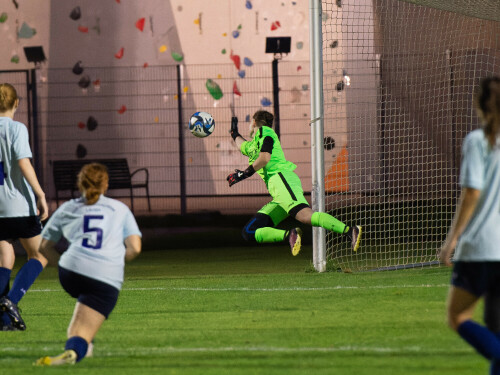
point(20, 212)
point(102, 234)
point(475, 232)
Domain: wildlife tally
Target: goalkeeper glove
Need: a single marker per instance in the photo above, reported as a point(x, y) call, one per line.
point(238, 175)
point(234, 128)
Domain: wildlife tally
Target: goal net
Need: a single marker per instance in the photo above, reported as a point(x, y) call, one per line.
point(398, 80)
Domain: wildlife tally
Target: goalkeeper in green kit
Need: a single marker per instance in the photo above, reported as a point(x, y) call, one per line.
point(266, 157)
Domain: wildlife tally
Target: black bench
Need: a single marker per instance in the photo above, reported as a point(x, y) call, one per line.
point(65, 174)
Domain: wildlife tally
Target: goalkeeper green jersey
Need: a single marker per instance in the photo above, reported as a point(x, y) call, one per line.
point(278, 163)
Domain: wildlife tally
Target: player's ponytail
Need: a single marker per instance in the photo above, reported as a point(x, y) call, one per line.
point(488, 106)
point(8, 97)
point(93, 181)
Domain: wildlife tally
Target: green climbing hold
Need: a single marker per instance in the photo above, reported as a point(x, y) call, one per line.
point(177, 56)
point(214, 89)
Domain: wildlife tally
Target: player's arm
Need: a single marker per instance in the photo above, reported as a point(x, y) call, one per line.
point(48, 250)
point(237, 138)
point(30, 176)
point(262, 160)
point(133, 247)
point(466, 206)
point(259, 163)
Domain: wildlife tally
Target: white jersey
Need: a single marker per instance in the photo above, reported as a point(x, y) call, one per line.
point(16, 196)
point(96, 234)
point(480, 170)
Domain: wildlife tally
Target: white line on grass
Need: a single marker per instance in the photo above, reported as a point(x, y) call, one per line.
point(338, 287)
point(104, 351)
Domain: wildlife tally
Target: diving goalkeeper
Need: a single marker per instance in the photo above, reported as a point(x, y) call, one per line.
point(266, 157)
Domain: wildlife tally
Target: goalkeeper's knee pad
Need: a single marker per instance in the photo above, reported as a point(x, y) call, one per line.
point(256, 222)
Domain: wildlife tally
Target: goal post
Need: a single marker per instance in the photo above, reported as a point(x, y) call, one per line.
point(391, 101)
point(317, 125)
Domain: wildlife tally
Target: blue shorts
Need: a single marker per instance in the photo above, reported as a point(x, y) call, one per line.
point(93, 293)
point(13, 228)
point(478, 278)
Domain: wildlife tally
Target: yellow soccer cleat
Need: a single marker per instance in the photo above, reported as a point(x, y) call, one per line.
point(295, 240)
point(353, 233)
point(356, 237)
point(66, 358)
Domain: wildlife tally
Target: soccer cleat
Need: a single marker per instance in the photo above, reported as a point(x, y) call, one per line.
point(9, 327)
point(295, 240)
point(354, 234)
point(11, 309)
point(66, 358)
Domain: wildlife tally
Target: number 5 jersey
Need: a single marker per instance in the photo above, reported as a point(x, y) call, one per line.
point(96, 235)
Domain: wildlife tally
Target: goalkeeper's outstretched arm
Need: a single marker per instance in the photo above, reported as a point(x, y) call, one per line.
point(238, 139)
point(259, 163)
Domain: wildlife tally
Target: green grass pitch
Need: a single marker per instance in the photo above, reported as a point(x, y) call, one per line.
point(251, 311)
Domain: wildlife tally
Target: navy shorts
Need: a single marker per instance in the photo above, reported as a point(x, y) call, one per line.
point(478, 278)
point(93, 293)
point(13, 228)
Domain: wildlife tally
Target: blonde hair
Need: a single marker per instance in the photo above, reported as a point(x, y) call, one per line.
point(487, 101)
point(93, 182)
point(8, 97)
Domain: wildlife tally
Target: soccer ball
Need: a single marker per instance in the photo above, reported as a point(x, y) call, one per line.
point(201, 124)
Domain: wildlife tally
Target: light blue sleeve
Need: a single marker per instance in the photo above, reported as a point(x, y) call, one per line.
point(472, 166)
point(52, 230)
point(130, 226)
point(21, 145)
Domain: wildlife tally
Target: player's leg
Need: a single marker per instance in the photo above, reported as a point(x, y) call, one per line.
point(7, 258)
point(29, 236)
point(492, 314)
point(96, 300)
point(291, 188)
point(469, 282)
point(321, 219)
point(284, 204)
point(81, 331)
point(260, 228)
point(28, 273)
point(85, 322)
point(492, 321)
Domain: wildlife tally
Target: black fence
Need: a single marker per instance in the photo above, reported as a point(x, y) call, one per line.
point(141, 114)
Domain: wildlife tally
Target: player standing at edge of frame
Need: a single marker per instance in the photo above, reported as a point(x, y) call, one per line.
point(103, 234)
point(266, 157)
point(18, 210)
point(475, 232)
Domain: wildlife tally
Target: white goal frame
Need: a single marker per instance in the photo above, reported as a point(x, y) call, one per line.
point(317, 125)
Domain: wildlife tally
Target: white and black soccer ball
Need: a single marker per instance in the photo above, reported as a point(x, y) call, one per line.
point(201, 124)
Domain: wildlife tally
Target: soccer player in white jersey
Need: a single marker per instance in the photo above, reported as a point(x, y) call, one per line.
point(475, 232)
point(102, 234)
point(20, 213)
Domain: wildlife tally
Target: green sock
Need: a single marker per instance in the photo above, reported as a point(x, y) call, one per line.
point(324, 220)
point(268, 234)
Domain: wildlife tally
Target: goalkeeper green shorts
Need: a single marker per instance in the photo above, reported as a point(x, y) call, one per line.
point(288, 197)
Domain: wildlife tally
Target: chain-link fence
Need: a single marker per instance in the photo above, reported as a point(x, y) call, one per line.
point(141, 114)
